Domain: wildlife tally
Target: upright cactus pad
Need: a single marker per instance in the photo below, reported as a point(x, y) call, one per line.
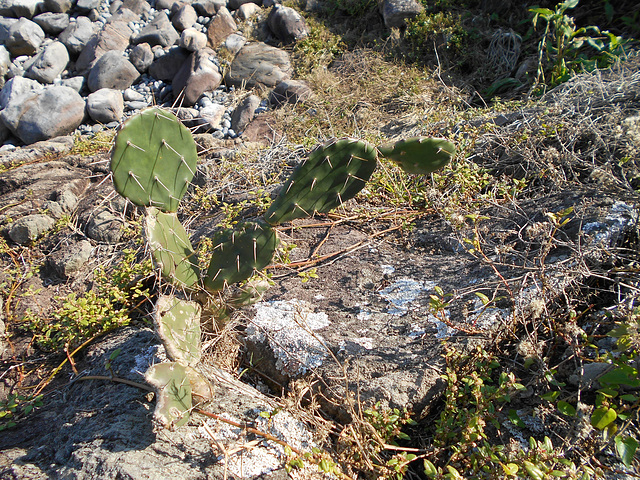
point(238, 252)
point(333, 173)
point(178, 324)
point(420, 154)
point(153, 160)
point(173, 398)
point(171, 248)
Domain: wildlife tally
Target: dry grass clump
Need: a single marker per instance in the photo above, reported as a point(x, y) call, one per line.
point(582, 132)
point(362, 94)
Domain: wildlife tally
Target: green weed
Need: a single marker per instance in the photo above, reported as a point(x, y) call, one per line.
point(15, 407)
point(77, 318)
point(565, 50)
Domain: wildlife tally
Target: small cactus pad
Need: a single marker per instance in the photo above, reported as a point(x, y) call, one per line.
point(153, 160)
point(333, 173)
point(178, 325)
point(173, 397)
point(238, 252)
point(171, 248)
point(420, 154)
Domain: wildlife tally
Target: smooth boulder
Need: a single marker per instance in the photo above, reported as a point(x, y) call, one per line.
point(112, 70)
point(105, 105)
point(44, 114)
point(287, 24)
point(77, 34)
point(49, 63)
point(160, 31)
point(198, 75)
point(396, 12)
point(259, 63)
point(24, 37)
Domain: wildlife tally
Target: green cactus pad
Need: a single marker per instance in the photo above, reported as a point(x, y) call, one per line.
point(171, 248)
point(178, 325)
point(173, 396)
point(238, 252)
point(420, 154)
point(333, 173)
point(153, 160)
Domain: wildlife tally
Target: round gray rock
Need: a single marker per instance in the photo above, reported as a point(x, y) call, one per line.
point(49, 63)
point(185, 17)
point(141, 56)
point(105, 105)
point(158, 32)
point(27, 229)
point(71, 259)
point(52, 23)
point(24, 37)
point(287, 24)
point(43, 114)
point(197, 75)
point(244, 113)
point(290, 91)
point(112, 70)
point(77, 34)
point(259, 63)
point(192, 40)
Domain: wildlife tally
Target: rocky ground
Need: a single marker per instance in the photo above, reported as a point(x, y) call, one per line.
point(524, 245)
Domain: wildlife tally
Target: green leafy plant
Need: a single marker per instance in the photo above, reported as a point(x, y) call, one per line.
point(16, 406)
point(568, 50)
point(476, 395)
point(79, 317)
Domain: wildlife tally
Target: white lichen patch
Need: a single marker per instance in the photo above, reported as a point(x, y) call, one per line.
point(444, 330)
point(249, 456)
point(620, 216)
point(364, 314)
point(152, 355)
point(387, 269)
point(288, 327)
point(402, 292)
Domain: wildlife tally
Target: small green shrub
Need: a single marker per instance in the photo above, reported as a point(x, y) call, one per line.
point(118, 292)
point(565, 50)
point(16, 406)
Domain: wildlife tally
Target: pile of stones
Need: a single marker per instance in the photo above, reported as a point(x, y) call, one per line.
point(81, 65)
point(67, 64)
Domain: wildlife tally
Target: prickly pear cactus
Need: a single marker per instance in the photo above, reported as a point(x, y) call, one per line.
point(178, 325)
point(173, 400)
point(153, 159)
point(419, 155)
point(171, 248)
point(239, 252)
point(333, 173)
